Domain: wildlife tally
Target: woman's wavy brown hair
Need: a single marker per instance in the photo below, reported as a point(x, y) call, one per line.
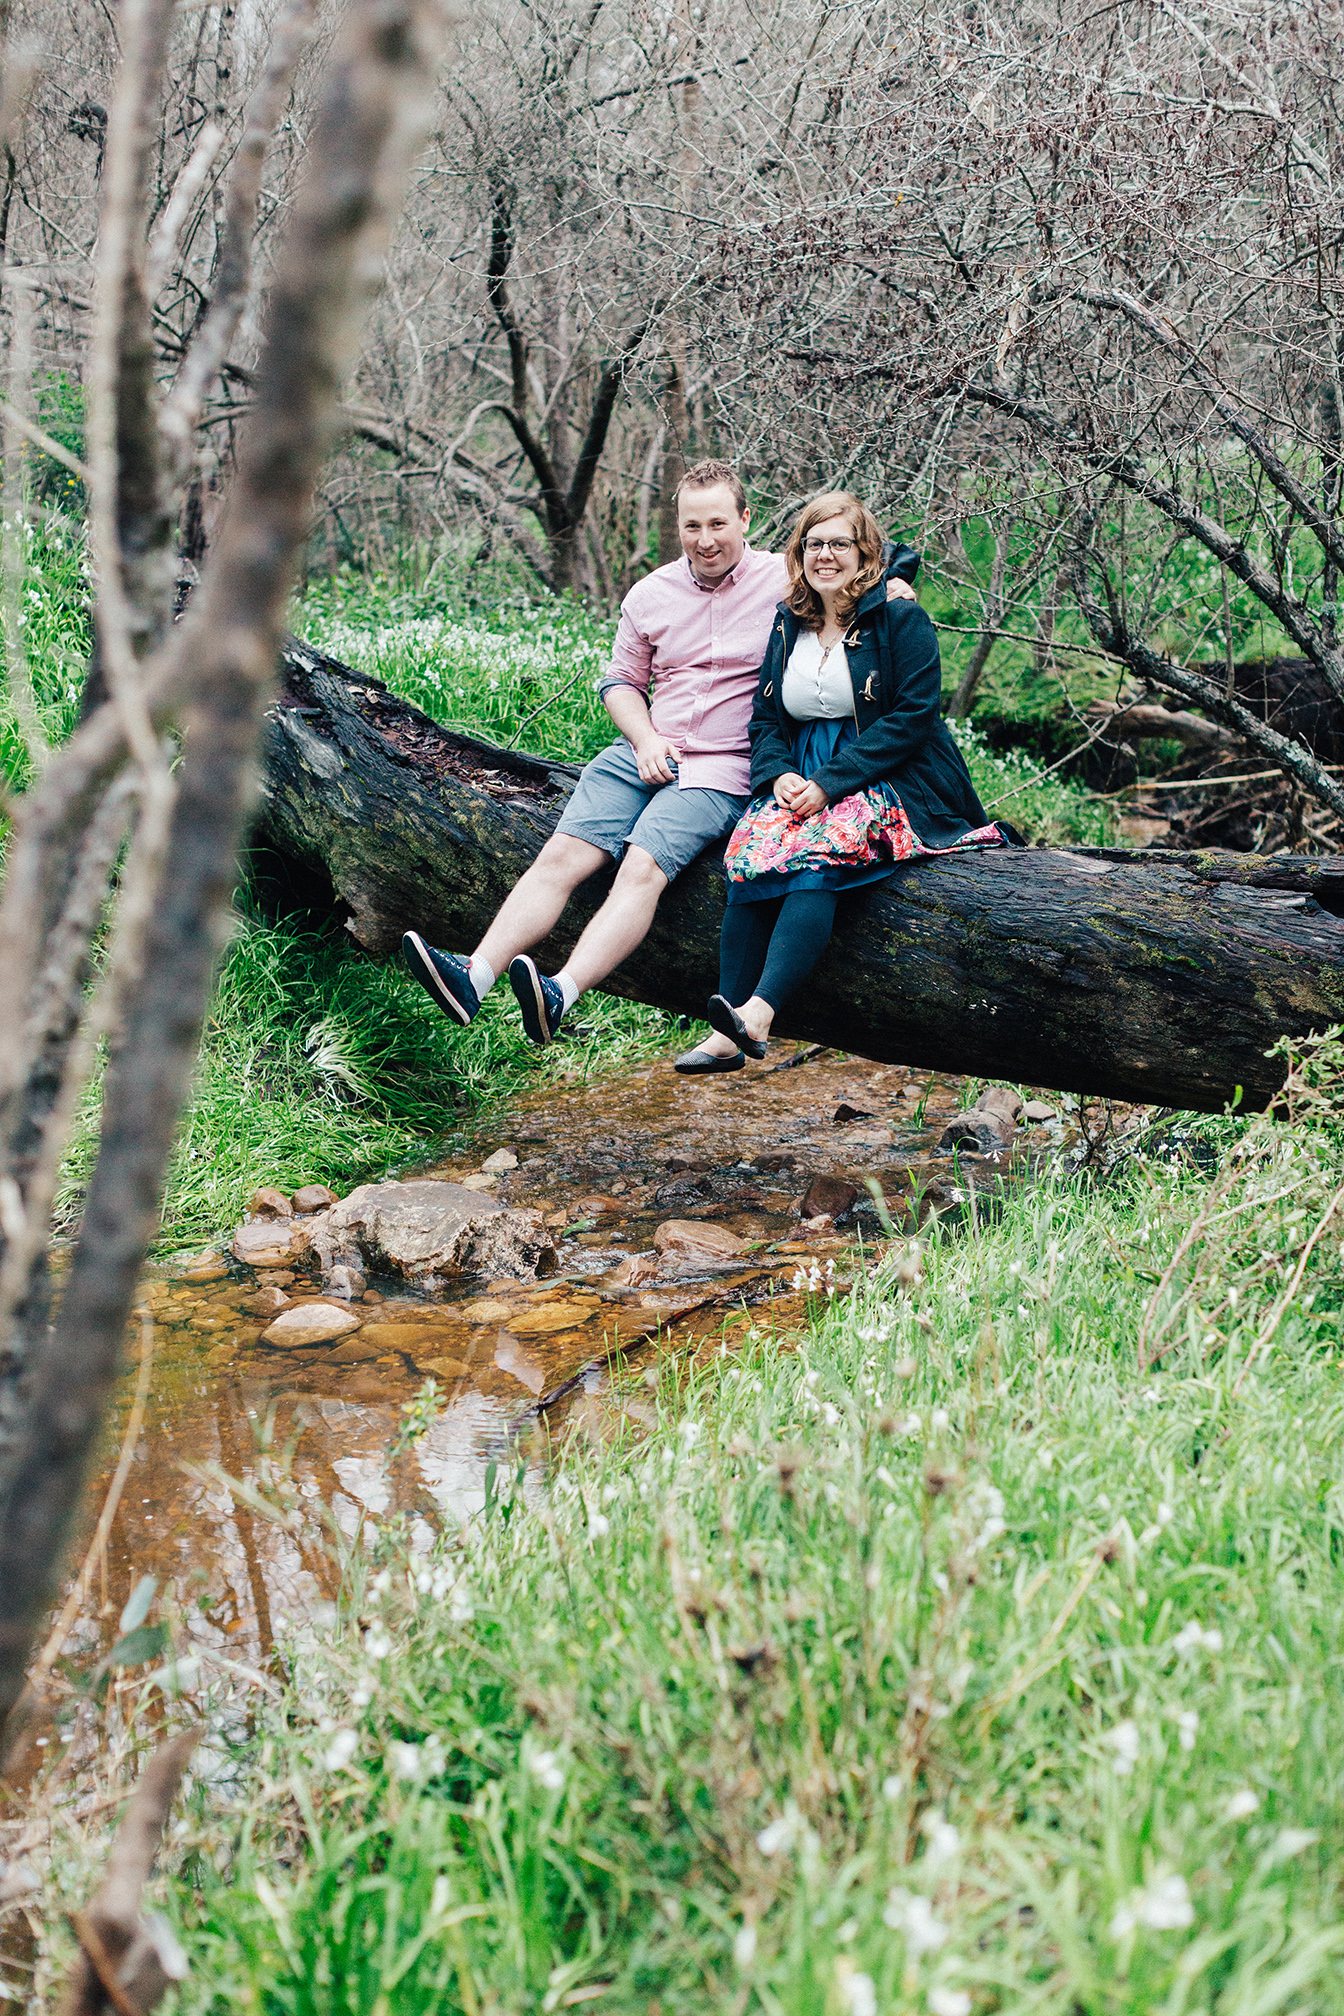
point(805, 603)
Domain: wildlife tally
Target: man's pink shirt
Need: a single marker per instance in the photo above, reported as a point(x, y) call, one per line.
point(701, 649)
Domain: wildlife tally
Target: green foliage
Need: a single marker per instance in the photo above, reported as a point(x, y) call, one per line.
point(318, 1065)
point(60, 409)
point(967, 1655)
point(57, 638)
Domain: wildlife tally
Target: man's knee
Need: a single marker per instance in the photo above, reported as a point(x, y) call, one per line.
point(639, 872)
point(567, 859)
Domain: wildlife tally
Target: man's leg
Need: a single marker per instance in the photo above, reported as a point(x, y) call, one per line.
point(622, 922)
point(535, 903)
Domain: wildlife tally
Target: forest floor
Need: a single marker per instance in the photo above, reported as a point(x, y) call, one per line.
point(970, 1642)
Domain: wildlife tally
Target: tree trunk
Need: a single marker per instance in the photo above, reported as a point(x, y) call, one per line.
point(1156, 977)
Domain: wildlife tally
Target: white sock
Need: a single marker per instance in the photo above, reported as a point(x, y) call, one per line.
point(564, 980)
point(481, 975)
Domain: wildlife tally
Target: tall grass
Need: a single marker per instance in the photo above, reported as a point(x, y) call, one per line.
point(979, 1651)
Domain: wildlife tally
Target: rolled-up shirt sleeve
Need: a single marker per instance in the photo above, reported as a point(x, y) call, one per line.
point(631, 660)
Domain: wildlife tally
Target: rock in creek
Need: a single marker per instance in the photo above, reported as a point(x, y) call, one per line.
point(264, 1242)
point(428, 1233)
point(270, 1204)
point(1037, 1111)
point(985, 1128)
point(693, 1245)
point(309, 1323)
point(313, 1197)
point(827, 1197)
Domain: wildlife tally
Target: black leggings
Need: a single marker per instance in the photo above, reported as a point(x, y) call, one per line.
point(769, 948)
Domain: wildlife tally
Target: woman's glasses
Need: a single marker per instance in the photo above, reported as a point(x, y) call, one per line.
point(839, 547)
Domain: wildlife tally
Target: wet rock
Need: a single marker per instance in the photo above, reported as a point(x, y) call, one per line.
point(265, 1302)
point(680, 1165)
point(553, 1316)
point(428, 1233)
point(775, 1165)
point(695, 1243)
point(634, 1272)
point(555, 1219)
point(827, 1197)
point(1001, 1100)
point(270, 1204)
point(354, 1351)
point(444, 1368)
point(480, 1181)
point(596, 1206)
point(975, 1133)
point(265, 1242)
point(503, 1158)
point(411, 1337)
point(844, 1113)
point(487, 1310)
point(1037, 1111)
point(346, 1280)
point(210, 1267)
point(313, 1197)
point(309, 1323)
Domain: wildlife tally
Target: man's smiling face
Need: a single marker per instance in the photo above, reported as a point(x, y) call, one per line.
point(713, 531)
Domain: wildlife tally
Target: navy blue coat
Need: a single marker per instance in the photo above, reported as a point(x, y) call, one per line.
point(902, 737)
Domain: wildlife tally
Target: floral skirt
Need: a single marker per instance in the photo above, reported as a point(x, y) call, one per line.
point(858, 840)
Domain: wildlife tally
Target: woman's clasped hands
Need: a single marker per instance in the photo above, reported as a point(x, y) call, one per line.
point(796, 795)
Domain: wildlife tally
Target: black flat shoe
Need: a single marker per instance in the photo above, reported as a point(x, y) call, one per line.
point(701, 1063)
point(724, 1019)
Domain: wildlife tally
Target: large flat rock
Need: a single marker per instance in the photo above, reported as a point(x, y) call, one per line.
point(427, 1233)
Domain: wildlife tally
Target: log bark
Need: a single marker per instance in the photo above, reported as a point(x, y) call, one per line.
point(1160, 977)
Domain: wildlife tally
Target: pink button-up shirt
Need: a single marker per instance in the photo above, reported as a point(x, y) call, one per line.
point(701, 649)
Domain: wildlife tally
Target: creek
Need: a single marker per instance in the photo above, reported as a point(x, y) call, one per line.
point(252, 1460)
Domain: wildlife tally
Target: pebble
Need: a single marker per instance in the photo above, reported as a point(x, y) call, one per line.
point(486, 1311)
point(263, 1243)
point(479, 1181)
point(313, 1197)
point(210, 1267)
point(270, 1204)
point(503, 1158)
point(697, 1239)
point(310, 1323)
point(1037, 1111)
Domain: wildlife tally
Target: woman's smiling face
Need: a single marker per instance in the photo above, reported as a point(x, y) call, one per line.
point(824, 569)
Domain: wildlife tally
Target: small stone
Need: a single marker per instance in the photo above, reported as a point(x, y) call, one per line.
point(503, 1158)
point(480, 1181)
point(555, 1219)
point(354, 1352)
point(310, 1323)
point(775, 1165)
point(827, 1197)
point(552, 1316)
point(1000, 1100)
point(486, 1311)
point(285, 1279)
point(313, 1197)
point(976, 1133)
point(1037, 1111)
point(596, 1206)
point(210, 1267)
point(696, 1242)
point(266, 1242)
point(444, 1368)
point(394, 1336)
point(266, 1302)
point(634, 1271)
point(370, 1295)
point(346, 1279)
point(270, 1204)
point(844, 1113)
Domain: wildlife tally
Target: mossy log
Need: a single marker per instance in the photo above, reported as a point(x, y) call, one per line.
point(1159, 977)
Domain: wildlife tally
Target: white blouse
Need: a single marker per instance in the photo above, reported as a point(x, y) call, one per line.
point(817, 685)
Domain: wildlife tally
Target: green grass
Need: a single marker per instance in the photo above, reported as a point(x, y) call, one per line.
point(961, 1654)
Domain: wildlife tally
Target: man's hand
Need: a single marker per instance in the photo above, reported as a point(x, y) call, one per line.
point(899, 591)
point(655, 756)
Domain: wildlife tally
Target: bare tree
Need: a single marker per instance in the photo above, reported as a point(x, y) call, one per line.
point(198, 689)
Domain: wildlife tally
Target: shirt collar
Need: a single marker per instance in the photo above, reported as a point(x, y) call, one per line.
point(727, 580)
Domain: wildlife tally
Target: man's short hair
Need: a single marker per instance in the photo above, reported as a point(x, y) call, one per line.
point(706, 475)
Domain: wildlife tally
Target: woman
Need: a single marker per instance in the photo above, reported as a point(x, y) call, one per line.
point(852, 767)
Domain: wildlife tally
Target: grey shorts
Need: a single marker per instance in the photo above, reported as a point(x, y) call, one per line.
point(613, 808)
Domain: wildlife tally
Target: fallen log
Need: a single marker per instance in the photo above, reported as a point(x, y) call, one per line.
point(1160, 977)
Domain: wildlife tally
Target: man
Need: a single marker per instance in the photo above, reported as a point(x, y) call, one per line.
point(675, 783)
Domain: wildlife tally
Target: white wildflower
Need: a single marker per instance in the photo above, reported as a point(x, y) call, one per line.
point(598, 1525)
point(943, 1839)
point(377, 1643)
point(949, 2002)
point(1292, 1840)
point(405, 1760)
point(1124, 1739)
point(779, 1835)
point(546, 1768)
point(830, 1414)
point(340, 1750)
point(1187, 1726)
point(744, 1947)
point(690, 1433)
point(940, 1419)
point(893, 1786)
point(1242, 1804)
point(1192, 1637)
point(860, 1996)
point(1162, 1906)
point(913, 1917)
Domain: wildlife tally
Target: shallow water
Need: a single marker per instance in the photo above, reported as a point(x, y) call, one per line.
point(307, 1433)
